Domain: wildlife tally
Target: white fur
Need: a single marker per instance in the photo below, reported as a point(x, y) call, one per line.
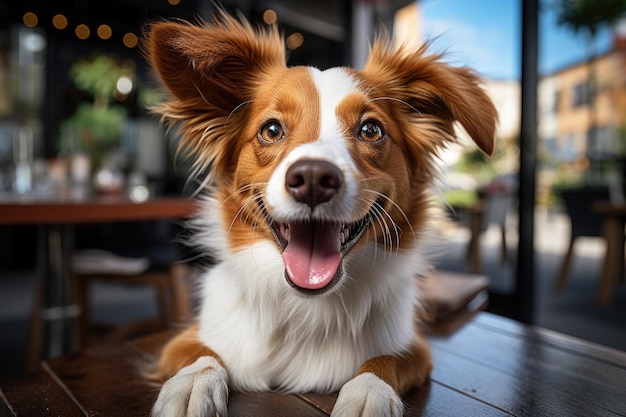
point(367, 396)
point(204, 385)
point(333, 86)
point(272, 337)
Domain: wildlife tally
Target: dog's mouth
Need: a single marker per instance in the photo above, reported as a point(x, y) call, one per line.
point(313, 250)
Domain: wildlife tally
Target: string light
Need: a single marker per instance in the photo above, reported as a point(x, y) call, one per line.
point(294, 41)
point(82, 31)
point(104, 32)
point(30, 19)
point(270, 17)
point(130, 40)
point(59, 21)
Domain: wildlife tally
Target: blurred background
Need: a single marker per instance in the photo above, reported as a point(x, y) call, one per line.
point(74, 122)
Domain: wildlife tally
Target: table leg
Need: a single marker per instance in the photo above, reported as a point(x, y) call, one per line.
point(476, 224)
point(53, 325)
point(613, 267)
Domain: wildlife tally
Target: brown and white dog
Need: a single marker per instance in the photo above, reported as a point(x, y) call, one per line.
point(319, 205)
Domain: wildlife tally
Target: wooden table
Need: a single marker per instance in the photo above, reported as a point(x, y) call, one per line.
point(613, 230)
point(55, 217)
point(24, 210)
point(492, 366)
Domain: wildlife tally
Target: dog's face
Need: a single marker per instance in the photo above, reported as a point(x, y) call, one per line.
point(319, 162)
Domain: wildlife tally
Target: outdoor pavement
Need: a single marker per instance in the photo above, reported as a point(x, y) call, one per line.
point(572, 311)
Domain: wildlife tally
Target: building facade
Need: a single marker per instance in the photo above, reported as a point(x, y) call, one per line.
point(582, 110)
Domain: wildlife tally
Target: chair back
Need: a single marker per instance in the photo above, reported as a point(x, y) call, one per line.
point(497, 206)
point(578, 203)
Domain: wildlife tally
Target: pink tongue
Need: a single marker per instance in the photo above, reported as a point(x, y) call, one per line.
point(312, 255)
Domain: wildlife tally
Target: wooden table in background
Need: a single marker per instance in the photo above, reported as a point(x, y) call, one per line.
point(55, 217)
point(90, 210)
point(492, 366)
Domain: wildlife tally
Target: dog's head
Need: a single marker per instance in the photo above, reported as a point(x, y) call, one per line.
point(320, 162)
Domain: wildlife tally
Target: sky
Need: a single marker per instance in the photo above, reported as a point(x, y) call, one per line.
point(486, 35)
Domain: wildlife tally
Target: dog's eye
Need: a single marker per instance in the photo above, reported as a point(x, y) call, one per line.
point(371, 131)
point(271, 132)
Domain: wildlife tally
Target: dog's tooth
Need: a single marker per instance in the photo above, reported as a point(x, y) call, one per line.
point(287, 233)
point(342, 237)
point(345, 234)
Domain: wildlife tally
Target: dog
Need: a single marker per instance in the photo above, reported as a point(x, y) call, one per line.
point(318, 208)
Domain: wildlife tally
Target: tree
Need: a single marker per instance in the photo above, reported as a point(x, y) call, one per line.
point(588, 15)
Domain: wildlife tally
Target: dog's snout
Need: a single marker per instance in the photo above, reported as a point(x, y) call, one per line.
point(313, 182)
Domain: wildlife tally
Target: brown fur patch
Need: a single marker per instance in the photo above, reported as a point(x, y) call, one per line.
point(293, 101)
point(405, 371)
point(181, 351)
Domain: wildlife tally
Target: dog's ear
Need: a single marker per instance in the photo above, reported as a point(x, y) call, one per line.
point(211, 72)
point(434, 88)
point(215, 65)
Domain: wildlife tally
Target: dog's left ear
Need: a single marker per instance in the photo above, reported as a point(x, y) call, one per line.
point(434, 88)
point(213, 67)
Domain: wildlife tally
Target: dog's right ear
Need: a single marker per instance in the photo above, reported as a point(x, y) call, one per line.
point(210, 71)
point(216, 65)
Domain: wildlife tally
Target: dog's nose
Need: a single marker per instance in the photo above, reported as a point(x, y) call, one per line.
point(313, 182)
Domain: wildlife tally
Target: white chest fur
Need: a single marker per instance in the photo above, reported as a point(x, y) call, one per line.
point(271, 337)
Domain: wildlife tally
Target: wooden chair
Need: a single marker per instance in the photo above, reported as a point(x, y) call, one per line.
point(491, 208)
point(172, 296)
point(584, 222)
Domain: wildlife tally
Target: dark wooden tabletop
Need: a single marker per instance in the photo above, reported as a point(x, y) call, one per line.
point(92, 210)
point(491, 366)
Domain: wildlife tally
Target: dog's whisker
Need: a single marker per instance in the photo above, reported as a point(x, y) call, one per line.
point(386, 218)
point(398, 100)
point(249, 200)
point(237, 215)
point(257, 215)
point(388, 235)
point(243, 189)
point(397, 207)
point(242, 209)
point(383, 227)
point(397, 230)
point(376, 216)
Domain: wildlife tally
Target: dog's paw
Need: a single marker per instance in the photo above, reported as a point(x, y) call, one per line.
point(197, 390)
point(367, 396)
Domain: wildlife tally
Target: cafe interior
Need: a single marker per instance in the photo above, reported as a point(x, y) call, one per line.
point(75, 124)
point(109, 188)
